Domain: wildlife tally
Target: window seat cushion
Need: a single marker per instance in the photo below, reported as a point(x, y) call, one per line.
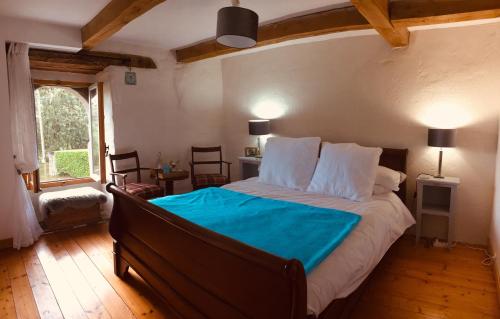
point(81, 197)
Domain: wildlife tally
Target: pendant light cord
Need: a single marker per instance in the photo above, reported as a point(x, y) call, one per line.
point(236, 3)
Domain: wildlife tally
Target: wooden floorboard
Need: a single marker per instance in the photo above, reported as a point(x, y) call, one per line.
point(113, 303)
point(42, 291)
point(7, 306)
point(66, 297)
point(70, 275)
point(21, 290)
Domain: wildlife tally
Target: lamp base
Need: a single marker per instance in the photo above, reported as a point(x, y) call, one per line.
point(258, 147)
point(440, 164)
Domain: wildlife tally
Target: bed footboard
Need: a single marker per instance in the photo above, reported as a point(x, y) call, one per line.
point(199, 273)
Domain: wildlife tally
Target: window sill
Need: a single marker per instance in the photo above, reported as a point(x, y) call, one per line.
point(66, 182)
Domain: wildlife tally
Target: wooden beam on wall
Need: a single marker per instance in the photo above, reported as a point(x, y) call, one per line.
point(114, 16)
point(428, 12)
point(325, 22)
point(85, 62)
point(71, 84)
point(402, 14)
point(377, 13)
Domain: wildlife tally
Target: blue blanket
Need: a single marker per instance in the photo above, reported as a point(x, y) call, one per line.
point(285, 229)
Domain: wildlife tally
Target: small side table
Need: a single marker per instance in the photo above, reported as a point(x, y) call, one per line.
point(249, 166)
point(170, 178)
point(438, 197)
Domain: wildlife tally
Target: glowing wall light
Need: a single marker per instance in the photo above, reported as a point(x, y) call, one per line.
point(446, 115)
point(269, 108)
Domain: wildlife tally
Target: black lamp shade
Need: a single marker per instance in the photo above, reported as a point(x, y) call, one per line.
point(237, 27)
point(441, 137)
point(259, 127)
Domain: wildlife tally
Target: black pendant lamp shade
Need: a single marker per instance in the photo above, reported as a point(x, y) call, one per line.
point(237, 27)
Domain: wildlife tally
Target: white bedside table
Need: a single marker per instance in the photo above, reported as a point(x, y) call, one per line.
point(438, 197)
point(249, 166)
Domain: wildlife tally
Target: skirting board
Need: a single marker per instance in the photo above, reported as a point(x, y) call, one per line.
point(5, 243)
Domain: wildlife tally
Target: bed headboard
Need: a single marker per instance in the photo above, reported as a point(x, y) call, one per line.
point(396, 159)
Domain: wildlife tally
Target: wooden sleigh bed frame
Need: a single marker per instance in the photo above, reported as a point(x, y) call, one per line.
point(202, 274)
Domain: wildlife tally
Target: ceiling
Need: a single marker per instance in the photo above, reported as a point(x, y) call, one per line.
point(65, 12)
point(172, 24)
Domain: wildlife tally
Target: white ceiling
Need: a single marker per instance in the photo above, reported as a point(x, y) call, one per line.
point(172, 24)
point(66, 12)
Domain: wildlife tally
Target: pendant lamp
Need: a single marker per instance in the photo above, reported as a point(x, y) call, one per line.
point(237, 27)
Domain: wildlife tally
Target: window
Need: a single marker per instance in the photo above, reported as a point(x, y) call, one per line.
point(69, 134)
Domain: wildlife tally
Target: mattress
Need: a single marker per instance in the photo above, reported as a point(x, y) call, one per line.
point(384, 220)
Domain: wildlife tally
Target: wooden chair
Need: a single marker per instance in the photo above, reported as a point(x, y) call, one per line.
point(213, 179)
point(146, 191)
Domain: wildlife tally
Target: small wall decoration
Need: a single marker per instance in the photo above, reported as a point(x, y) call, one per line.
point(130, 78)
point(250, 151)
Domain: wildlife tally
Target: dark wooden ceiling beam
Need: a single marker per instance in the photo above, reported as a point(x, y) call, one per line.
point(402, 13)
point(377, 13)
point(315, 24)
point(86, 62)
point(427, 12)
point(114, 16)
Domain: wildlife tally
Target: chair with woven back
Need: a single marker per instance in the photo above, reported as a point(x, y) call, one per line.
point(143, 190)
point(203, 180)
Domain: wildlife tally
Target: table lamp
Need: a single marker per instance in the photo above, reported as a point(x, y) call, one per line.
point(259, 128)
point(441, 138)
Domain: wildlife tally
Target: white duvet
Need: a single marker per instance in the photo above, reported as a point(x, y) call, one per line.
point(384, 220)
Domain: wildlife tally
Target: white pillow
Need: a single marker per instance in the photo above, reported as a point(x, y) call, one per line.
point(346, 170)
point(389, 178)
point(380, 190)
point(289, 162)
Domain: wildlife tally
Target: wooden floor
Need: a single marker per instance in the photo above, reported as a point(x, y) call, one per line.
point(70, 275)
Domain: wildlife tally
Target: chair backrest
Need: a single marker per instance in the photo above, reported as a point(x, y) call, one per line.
point(213, 149)
point(125, 156)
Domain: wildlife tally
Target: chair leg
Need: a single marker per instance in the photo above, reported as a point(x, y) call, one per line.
point(120, 265)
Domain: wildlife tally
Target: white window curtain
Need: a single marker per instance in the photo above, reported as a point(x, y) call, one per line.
point(26, 229)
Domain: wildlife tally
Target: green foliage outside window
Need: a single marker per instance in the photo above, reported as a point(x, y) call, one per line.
point(73, 163)
point(64, 119)
point(62, 126)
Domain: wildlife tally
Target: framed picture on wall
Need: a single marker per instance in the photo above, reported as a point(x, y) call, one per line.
point(250, 151)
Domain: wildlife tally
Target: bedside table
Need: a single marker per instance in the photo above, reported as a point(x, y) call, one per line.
point(249, 166)
point(438, 197)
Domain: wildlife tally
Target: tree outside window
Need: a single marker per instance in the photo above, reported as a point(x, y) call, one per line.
point(62, 133)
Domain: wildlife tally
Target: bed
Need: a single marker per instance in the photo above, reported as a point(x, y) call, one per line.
point(202, 274)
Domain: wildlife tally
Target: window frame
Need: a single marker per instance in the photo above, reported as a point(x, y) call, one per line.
point(33, 181)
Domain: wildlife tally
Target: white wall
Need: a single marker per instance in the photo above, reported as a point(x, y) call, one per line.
point(360, 90)
point(169, 110)
point(40, 34)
